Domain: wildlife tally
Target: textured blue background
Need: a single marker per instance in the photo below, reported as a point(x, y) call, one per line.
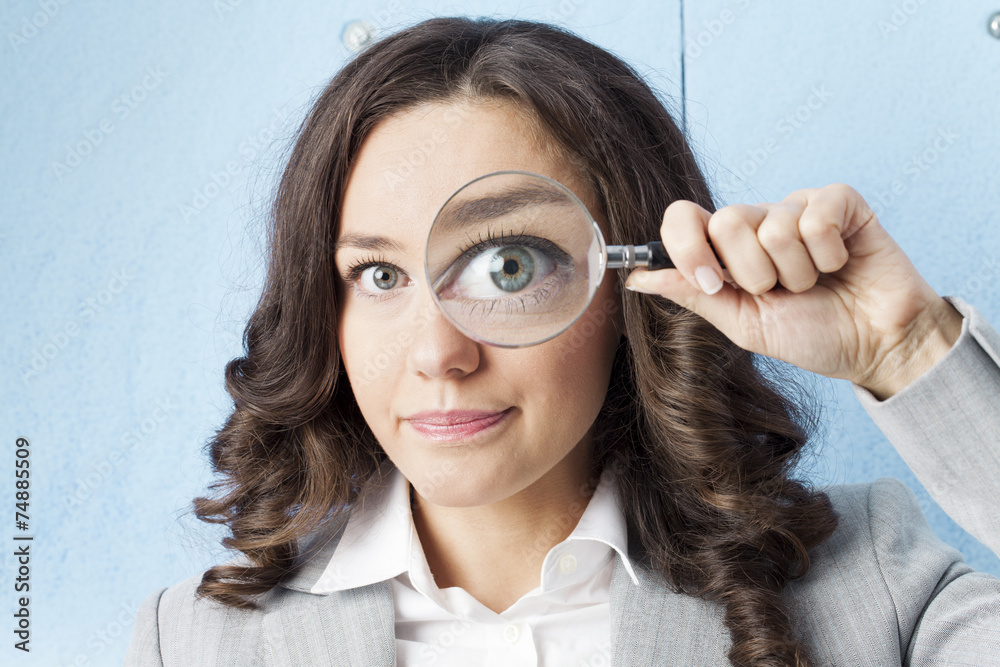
point(139, 144)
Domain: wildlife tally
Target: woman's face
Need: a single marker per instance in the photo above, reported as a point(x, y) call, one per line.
point(537, 404)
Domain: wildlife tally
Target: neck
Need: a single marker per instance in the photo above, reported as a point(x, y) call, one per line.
point(495, 552)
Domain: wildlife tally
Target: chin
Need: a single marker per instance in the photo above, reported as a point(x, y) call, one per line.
point(455, 495)
point(451, 486)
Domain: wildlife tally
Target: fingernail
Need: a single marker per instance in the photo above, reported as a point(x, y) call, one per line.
point(638, 281)
point(708, 279)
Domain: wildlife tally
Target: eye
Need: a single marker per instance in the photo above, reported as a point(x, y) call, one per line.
point(382, 276)
point(374, 278)
point(509, 269)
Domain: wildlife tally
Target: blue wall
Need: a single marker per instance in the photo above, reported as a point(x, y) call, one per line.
point(139, 145)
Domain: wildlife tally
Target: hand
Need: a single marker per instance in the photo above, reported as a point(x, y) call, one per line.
point(850, 304)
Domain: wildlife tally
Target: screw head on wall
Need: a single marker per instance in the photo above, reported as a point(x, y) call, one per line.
point(357, 34)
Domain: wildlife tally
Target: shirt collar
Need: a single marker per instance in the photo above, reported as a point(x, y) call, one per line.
point(375, 545)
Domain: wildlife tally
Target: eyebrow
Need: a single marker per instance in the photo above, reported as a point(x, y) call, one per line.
point(492, 206)
point(464, 214)
point(367, 242)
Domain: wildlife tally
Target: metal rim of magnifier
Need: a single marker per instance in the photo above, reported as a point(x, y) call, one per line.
point(602, 258)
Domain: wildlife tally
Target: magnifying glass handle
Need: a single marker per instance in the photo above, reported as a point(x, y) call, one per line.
point(651, 256)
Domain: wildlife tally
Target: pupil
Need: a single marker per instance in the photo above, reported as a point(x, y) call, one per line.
point(384, 278)
point(516, 271)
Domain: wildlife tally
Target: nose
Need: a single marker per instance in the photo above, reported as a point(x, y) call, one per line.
point(439, 349)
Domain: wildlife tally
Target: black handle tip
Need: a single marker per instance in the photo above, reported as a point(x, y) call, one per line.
point(658, 258)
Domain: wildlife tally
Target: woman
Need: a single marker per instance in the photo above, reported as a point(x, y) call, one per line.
point(620, 493)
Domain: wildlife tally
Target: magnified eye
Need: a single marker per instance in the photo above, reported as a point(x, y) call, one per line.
point(510, 268)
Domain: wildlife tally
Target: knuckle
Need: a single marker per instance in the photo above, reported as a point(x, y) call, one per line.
point(682, 205)
point(726, 223)
point(841, 190)
point(816, 226)
point(800, 197)
point(775, 238)
point(678, 210)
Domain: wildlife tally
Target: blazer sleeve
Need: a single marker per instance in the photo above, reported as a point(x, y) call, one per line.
point(946, 427)
point(176, 628)
point(144, 647)
point(945, 612)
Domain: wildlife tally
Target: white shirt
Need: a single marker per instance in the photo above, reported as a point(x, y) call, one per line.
point(564, 621)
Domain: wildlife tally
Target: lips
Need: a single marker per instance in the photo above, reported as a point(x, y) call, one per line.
point(455, 424)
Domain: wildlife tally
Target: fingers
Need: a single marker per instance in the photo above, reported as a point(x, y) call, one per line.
point(683, 236)
point(790, 242)
point(733, 231)
point(822, 225)
point(779, 236)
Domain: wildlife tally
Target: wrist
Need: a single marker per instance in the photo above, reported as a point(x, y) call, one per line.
point(927, 343)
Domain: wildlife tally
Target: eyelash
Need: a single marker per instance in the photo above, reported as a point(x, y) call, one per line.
point(355, 270)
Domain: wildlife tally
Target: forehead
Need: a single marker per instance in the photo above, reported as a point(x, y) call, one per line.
point(413, 161)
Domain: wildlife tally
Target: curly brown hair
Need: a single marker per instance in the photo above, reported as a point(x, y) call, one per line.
point(703, 441)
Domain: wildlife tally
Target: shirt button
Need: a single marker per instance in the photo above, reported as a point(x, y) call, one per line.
point(511, 634)
point(567, 563)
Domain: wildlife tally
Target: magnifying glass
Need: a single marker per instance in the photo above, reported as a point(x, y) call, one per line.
point(514, 258)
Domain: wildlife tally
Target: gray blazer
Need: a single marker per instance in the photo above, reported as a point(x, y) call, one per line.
point(883, 590)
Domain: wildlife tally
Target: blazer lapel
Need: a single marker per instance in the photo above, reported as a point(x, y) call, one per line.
point(653, 625)
point(352, 627)
point(650, 623)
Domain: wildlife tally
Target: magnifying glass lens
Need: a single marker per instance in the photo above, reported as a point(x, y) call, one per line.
point(513, 258)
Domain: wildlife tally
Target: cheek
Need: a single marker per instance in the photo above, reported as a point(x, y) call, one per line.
point(371, 352)
point(593, 339)
point(358, 343)
point(576, 366)
point(373, 357)
point(350, 341)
